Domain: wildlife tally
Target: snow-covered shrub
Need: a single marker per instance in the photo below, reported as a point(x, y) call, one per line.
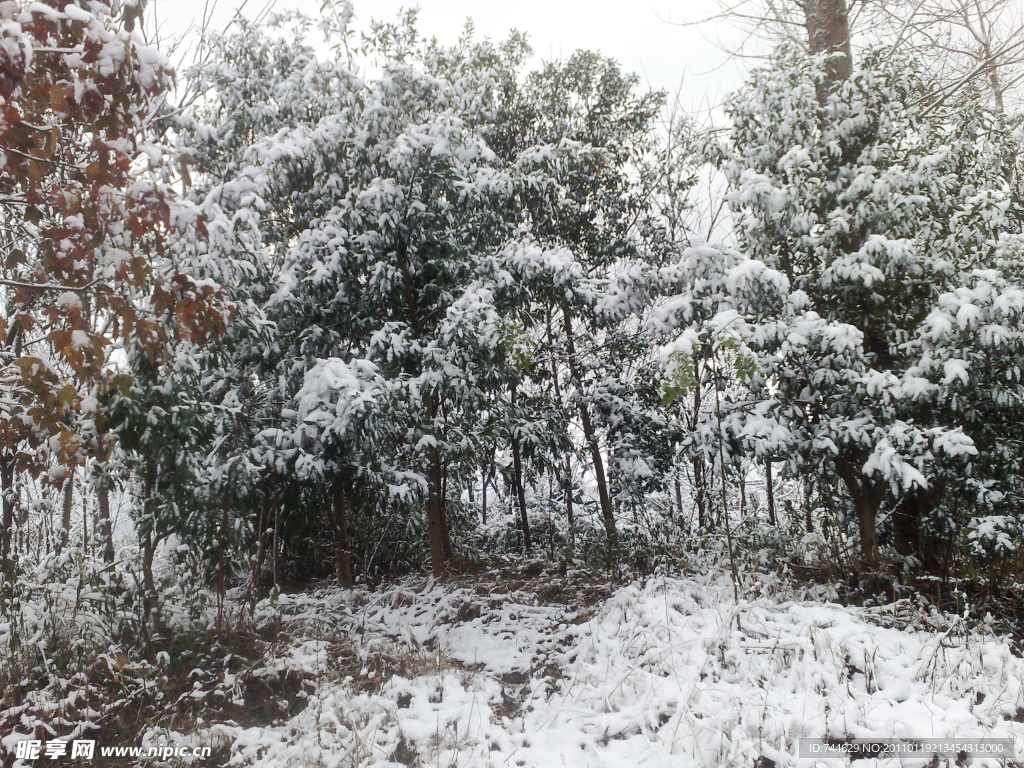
point(996, 543)
point(72, 644)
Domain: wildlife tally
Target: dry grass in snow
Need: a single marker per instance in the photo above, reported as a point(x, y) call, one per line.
point(667, 672)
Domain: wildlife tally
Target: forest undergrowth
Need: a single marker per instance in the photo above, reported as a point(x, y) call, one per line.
point(511, 662)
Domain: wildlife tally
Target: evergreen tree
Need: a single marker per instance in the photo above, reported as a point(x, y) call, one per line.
point(874, 210)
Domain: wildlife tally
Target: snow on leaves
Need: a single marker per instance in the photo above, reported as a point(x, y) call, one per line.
point(861, 203)
point(85, 228)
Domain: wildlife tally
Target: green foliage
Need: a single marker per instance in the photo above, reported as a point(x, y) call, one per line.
point(893, 231)
point(680, 379)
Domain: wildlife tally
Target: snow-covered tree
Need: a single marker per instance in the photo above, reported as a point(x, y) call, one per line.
point(377, 202)
point(876, 211)
point(583, 129)
point(86, 216)
point(418, 222)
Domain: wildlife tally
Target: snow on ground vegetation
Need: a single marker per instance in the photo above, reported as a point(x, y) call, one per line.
point(664, 672)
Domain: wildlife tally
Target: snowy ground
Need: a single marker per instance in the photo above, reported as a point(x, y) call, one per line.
point(669, 672)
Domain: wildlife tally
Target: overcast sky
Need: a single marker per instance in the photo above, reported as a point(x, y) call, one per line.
point(638, 33)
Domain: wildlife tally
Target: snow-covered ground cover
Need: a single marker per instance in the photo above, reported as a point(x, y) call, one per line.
point(665, 672)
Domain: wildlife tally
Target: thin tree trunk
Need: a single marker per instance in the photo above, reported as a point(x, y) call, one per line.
point(679, 499)
point(568, 485)
point(524, 520)
point(743, 491)
point(24, 540)
point(700, 492)
point(483, 500)
point(699, 464)
point(517, 478)
point(490, 478)
point(148, 582)
point(150, 606)
point(8, 561)
point(86, 545)
point(551, 513)
point(103, 530)
point(570, 516)
point(276, 543)
point(446, 532)
point(8, 558)
point(436, 522)
point(221, 581)
point(65, 518)
point(435, 516)
point(725, 505)
point(261, 549)
point(440, 543)
point(808, 516)
point(995, 83)
point(770, 487)
point(342, 556)
point(590, 435)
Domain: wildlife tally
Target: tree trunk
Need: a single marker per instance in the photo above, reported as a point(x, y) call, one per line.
point(342, 556)
point(435, 515)
point(867, 498)
point(65, 518)
point(148, 582)
point(520, 491)
point(221, 574)
point(700, 493)
point(8, 558)
point(483, 500)
point(828, 31)
point(261, 549)
point(679, 498)
point(994, 81)
point(276, 543)
point(150, 606)
point(743, 491)
point(867, 517)
point(808, 512)
point(86, 544)
point(907, 522)
point(490, 478)
point(725, 495)
point(446, 531)
point(524, 520)
point(770, 488)
point(570, 516)
point(437, 524)
point(8, 561)
point(24, 542)
point(699, 465)
point(590, 435)
point(103, 530)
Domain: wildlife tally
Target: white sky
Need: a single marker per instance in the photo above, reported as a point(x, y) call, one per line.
point(637, 33)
